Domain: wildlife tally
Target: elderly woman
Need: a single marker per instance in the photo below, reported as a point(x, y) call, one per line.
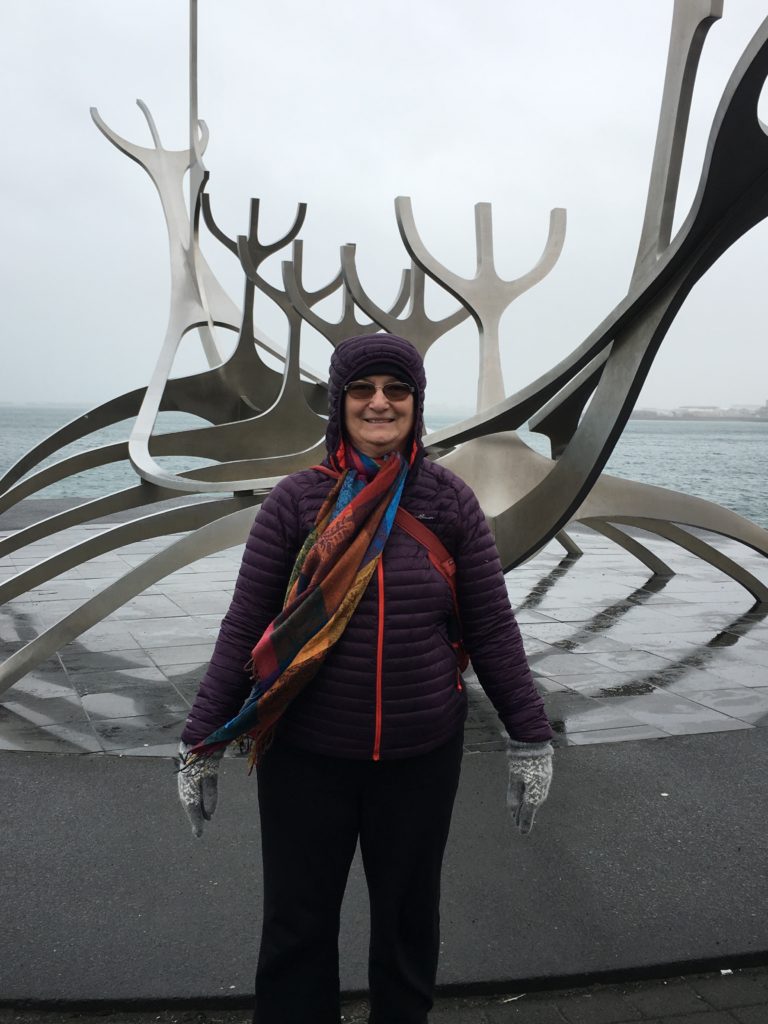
point(362, 583)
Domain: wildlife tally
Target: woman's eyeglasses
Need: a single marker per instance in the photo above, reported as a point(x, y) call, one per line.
point(364, 390)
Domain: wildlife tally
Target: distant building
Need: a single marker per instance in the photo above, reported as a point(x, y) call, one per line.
point(704, 412)
point(699, 412)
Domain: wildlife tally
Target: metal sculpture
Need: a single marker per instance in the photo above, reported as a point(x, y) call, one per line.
point(264, 424)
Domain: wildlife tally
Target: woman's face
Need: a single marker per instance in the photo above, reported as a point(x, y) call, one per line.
point(377, 425)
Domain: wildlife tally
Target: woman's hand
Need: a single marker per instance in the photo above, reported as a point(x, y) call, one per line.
point(530, 774)
point(198, 787)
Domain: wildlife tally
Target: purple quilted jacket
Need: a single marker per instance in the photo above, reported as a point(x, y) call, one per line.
point(390, 687)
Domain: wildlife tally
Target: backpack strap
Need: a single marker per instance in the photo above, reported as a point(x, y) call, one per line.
point(443, 561)
point(327, 470)
point(439, 556)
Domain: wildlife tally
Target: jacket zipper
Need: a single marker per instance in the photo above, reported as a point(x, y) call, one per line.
point(379, 661)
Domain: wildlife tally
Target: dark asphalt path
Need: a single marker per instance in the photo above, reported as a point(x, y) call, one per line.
point(734, 997)
point(647, 860)
point(648, 856)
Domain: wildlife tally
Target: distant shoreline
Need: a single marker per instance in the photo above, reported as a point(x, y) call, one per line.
point(693, 417)
point(443, 415)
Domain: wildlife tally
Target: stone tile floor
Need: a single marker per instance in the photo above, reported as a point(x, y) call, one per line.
point(617, 654)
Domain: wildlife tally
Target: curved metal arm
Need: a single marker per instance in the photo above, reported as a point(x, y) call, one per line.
point(135, 497)
point(550, 254)
point(312, 298)
point(706, 552)
point(144, 155)
point(156, 524)
point(415, 325)
point(691, 21)
point(149, 119)
point(141, 154)
point(281, 297)
point(361, 297)
point(61, 470)
point(421, 256)
point(213, 227)
point(104, 415)
point(207, 539)
point(258, 251)
point(486, 295)
point(486, 288)
point(345, 327)
point(631, 545)
point(731, 199)
point(559, 419)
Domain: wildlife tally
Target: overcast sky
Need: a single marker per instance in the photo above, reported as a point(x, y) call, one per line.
point(346, 105)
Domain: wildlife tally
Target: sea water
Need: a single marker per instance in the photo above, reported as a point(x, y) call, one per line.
point(722, 461)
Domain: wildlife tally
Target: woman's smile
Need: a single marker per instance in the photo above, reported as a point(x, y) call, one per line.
point(377, 425)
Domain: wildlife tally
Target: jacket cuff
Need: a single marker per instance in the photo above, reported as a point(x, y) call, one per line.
point(516, 748)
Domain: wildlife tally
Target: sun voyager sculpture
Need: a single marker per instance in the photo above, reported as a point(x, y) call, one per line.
point(263, 424)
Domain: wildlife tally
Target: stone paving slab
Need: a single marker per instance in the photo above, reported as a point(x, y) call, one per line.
point(617, 655)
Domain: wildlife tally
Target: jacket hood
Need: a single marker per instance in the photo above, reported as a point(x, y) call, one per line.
point(349, 360)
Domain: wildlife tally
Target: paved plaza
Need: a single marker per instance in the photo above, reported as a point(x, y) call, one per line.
point(618, 655)
point(648, 859)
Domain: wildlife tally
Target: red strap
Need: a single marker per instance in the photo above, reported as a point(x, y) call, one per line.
point(439, 555)
point(327, 470)
point(442, 560)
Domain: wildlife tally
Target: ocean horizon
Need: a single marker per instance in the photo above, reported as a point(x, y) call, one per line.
point(725, 461)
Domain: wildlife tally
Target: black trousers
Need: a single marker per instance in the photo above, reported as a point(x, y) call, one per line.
point(313, 811)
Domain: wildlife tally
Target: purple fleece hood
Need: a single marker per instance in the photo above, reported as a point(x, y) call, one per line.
point(348, 361)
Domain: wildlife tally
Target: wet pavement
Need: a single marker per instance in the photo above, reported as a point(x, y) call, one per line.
point(648, 858)
point(618, 655)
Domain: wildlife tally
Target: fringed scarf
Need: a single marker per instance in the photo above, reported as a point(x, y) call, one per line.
point(331, 572)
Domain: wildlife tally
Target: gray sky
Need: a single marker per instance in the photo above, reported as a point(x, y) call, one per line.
point(345, 105)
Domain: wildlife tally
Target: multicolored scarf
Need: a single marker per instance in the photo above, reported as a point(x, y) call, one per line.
point(331, 572)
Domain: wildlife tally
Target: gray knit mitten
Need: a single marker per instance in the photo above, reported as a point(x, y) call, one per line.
point(198, 787)
point(530, 773)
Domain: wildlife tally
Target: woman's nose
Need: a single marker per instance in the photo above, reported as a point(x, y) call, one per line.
point(379, 400)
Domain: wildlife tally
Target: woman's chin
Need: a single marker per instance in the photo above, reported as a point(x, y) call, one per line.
point(377, 444)
point(376, 451)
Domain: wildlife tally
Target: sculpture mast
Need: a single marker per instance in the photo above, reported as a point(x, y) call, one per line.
point(198, 177)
